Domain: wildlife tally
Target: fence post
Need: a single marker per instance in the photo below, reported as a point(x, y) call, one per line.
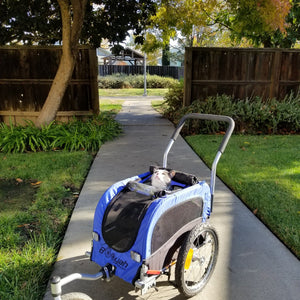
point(188, 69)
point(93, 60)
point(275, 77)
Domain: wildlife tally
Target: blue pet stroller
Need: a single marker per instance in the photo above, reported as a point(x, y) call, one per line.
point(139, 232)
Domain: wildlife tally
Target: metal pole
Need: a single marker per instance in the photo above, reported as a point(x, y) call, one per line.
point(145, 75)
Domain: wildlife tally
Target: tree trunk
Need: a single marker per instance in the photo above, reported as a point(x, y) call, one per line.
point(72, 14)
point(57, 90)
point(166, 55)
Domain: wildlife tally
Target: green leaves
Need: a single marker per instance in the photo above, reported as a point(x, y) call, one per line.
point(75, 135)
point(32, 21)
point(251, 115)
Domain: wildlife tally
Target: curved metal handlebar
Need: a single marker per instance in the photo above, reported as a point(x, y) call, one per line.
point(208, 117)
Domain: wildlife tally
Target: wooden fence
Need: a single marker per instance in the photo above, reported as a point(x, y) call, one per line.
point(240, 73)
point(167, 71)
point(26, 75)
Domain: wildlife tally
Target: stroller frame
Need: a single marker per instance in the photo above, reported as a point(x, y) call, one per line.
point(198, 236)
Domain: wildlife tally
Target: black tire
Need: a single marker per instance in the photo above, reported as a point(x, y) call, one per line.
point(196, 259)
point(75, 296)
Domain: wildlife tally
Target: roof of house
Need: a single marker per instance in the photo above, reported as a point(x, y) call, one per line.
point(128, 55)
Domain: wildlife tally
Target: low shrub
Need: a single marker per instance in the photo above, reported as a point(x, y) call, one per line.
point(174, 99)
point(75, 135)
point(119, 81)
point(252, 115)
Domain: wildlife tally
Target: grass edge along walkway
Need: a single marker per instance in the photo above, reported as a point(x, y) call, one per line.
point(264, 172)
point(31, 231)
point(41, 191)
point(131, 92)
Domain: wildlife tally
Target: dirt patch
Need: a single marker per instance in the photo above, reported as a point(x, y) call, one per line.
point(15, 195)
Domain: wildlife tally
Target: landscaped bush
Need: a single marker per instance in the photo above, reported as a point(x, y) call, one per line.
point(75, 135)
point(252, 115)
point(119, 81)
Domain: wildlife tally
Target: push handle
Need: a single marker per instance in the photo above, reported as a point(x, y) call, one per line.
point(208, 117)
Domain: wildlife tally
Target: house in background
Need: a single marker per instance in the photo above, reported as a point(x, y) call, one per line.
point(130, 57)
point(132, 62)
point(127, 57)
point(101, 53)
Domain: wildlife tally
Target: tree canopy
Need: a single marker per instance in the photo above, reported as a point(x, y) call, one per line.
point(263, 22)
point(270, 23)
point(39, 22)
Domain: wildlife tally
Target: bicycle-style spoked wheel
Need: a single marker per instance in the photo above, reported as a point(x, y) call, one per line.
point(196, 259)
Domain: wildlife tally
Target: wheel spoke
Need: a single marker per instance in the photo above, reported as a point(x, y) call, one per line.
point(202, 254)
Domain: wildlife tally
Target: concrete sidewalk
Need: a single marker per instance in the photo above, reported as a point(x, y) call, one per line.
point(252, 263)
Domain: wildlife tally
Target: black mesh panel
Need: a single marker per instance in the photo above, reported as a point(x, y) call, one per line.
point(173, 219)
point(122, 219)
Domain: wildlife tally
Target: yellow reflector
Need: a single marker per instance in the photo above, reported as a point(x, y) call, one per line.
point(188, 259)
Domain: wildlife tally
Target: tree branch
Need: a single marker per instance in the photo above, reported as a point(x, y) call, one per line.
point(66, 24)
point(79, 8)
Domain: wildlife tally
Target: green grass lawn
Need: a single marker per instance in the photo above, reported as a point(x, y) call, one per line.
point(158, 105)
point(264, 171)
point(38, 193)
point(131, 92)
point(114, 105)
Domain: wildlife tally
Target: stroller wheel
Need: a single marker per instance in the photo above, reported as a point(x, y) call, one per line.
point(196, 259)
point(75, 296)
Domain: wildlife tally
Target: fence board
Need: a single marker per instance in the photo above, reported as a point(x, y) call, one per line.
point(27, 73)
point(166, 71)
point(240, 73)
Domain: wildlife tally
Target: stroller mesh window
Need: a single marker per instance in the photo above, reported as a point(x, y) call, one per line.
point(174, 219)
point(122, 219)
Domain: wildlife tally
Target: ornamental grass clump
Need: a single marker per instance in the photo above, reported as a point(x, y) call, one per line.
point(87, 135)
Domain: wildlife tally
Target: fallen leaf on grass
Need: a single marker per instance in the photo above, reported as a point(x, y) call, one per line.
point(220, 133)
point(23, 225)
point(24, 285)
point(36, 183)
point(19, 180)
point(255, 211)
